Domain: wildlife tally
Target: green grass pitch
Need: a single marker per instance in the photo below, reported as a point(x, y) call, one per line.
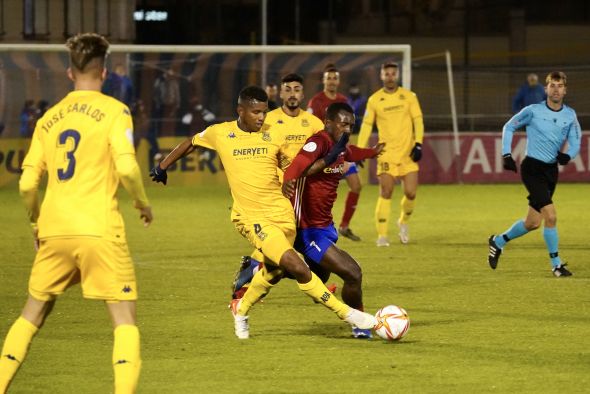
point(516, 329)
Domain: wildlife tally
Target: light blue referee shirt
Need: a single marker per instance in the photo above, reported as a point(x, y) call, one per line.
point(546, 131)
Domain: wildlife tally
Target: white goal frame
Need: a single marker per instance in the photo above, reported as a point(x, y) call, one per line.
point(404, 49)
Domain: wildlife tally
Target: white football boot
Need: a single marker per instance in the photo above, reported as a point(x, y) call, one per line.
point(241, 326)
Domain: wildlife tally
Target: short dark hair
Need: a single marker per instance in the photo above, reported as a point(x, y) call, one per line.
point(330, 68)
point(87, 50)
point(292, 78)
point(389, 64)
point(251, 93)
point(334, 108)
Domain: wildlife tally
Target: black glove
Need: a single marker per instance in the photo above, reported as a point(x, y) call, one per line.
point(563, 158)
point(509, 163)
point(416, 153)
point(159, 175)
point(337, 149)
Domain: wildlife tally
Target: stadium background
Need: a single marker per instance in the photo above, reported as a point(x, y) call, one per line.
point(493, 44)
point(515, 329)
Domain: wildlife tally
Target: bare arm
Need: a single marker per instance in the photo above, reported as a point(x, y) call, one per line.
point(181, 150)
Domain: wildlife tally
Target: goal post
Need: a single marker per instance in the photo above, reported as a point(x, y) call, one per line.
point(404, 49)
point(207, 79)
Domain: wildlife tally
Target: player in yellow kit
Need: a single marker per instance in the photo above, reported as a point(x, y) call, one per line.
point(85, 145)
point(293, 126)
point(399, 120)
point(260, 212)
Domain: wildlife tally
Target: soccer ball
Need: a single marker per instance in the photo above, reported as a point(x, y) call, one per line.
point(393, 322)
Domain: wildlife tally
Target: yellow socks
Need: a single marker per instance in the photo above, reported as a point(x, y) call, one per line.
point(257, 255)
point(320, 293)
point(407, 207)
point(258, 288)
point(126, 358)
point(382, 211)
point(15, 349)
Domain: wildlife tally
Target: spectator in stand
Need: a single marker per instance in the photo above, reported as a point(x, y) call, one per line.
point(358, 102)
point(42, 106)
point(167, 102)
point(272, 91)
point(530, 92)
point(119, 86)
point(27, 119)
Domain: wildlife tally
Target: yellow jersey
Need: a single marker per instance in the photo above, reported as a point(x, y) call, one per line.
point(250, 161)
point(294, 131)
point(77, 143)
point(399, 121)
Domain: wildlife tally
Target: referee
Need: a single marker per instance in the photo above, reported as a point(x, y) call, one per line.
point(551, 127)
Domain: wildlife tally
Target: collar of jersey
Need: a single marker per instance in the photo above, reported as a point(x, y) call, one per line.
point(554, 110)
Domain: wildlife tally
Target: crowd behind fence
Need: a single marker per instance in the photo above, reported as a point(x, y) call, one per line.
point(178, 94)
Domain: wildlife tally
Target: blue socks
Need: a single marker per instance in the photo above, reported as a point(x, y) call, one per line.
point(517, 230)
point(551, 240)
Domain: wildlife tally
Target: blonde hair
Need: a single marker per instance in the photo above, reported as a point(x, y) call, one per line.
point(556, 76)
point(88, 52)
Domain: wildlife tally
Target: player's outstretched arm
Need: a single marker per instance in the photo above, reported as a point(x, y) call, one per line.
point(158, 173)
point(330, 157)
point(130, 175)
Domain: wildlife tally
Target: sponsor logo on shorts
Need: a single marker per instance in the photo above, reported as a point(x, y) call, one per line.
point(127, 289)
point(258, 230)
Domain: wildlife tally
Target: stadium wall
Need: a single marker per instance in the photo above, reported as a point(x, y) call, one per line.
point(480, 161)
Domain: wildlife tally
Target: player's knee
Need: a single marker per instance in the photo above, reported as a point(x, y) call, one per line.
point(532, 224)
point(551, 220)
point(410, 195)
point(386, 192)
point(353, 275)
point(293, 264)
point(356, 188)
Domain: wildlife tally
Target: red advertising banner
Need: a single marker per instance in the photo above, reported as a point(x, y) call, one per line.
point(481, 159)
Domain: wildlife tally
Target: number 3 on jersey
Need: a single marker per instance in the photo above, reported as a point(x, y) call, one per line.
point(64, 175)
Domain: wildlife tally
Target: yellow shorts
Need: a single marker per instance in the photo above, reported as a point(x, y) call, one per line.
point(396, 169)
point(104, 269)
point(272, 238)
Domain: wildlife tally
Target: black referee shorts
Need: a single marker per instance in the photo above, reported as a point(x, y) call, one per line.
point(540, 179)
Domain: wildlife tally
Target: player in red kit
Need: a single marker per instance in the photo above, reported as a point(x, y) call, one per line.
point(317, 105)
point(311, 182)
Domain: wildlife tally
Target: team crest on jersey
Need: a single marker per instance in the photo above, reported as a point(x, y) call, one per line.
point(280, 121)
point(402, 97)
point(266, 136)
point(231, 135)
point(304, 123)
point(310, 147)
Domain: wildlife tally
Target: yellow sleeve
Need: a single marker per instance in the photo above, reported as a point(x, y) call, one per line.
point(367, 126)
point(130, 175)
point(417, 120)
point(317, 124)
point(34, 167)
point(123, 153)
point(205, 138)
